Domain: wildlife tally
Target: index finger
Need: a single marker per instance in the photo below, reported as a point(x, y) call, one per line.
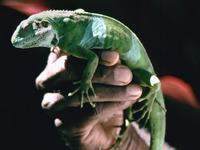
point(60, 68)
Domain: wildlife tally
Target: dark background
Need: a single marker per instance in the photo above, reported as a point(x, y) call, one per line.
point(168, 29)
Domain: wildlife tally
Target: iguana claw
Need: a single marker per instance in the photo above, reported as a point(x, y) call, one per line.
point(84, 87)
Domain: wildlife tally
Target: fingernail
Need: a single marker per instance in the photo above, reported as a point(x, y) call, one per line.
point(109, 56)
point(123, 74)
point(134, 90)
point(57, 122)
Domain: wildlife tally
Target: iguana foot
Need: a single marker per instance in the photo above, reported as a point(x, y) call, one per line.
point(145, 109)
point(84, 88)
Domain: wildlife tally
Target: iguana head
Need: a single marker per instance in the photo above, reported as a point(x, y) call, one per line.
point(36, 31)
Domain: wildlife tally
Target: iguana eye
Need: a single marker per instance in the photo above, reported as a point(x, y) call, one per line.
point(37, 24)
point(44, 24)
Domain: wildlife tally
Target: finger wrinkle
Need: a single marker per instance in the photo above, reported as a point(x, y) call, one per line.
point(59, 65)
point(53, 56)
point(51, 71)
point(41, 79)
point(56, 67)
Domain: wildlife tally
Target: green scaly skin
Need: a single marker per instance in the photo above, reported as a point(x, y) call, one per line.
point(77, 32)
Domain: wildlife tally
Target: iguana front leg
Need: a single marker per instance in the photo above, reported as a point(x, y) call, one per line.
point(85, 82)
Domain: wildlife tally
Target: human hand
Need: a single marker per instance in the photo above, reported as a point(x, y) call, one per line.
point(87, 127)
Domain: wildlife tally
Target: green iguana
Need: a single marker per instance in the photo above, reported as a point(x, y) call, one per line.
point(77, 33)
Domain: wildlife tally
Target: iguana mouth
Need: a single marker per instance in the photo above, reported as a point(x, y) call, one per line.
point(19, 42)
point(15, 41)
point(43, 30)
